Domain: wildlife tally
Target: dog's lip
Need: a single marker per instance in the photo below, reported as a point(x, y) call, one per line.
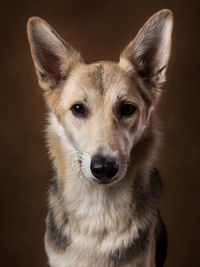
point(105, 181)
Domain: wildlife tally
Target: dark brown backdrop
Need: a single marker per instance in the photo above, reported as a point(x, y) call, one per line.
point(100, 30)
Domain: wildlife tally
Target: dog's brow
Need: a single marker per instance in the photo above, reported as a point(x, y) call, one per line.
point(122, 96)
point(85, 95)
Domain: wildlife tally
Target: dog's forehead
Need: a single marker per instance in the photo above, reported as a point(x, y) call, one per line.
point(103, 76)
point(97, 82)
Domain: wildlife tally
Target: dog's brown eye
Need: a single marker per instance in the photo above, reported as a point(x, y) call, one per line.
point(78, 110)
point(127, 110)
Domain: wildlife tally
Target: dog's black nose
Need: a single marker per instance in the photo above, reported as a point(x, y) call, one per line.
point(104, 167)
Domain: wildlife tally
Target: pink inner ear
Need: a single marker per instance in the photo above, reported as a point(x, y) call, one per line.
point(51, 65)
point(151, 56)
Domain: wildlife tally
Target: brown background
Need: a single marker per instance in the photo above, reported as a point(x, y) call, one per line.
point(100, 30)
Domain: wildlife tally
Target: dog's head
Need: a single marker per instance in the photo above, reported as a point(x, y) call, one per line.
point(102, 110)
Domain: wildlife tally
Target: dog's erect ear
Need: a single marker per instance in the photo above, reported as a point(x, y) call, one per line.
point(53, 57)
point(149, 52)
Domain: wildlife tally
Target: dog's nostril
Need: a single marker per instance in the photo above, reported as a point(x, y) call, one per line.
point(111, 170)
point(97, 169)
point(103, 167)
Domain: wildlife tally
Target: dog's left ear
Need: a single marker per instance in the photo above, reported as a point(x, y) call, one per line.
point(148, 54)
point(52, 56)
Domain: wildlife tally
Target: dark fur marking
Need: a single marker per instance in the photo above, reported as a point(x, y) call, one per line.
point(161, 242)
point(97, 78)
point(99, 74)
point(145, 197)
point(156, 184)
point(55, 232)
point(124, 255)
point(53, 183)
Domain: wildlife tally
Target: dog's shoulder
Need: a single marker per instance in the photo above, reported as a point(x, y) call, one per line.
point(161, 242)
point(156, 186)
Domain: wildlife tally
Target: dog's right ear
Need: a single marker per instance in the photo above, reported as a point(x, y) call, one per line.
point(52, 56)
point(148, 54)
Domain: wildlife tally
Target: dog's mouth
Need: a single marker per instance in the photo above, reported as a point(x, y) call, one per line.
point(104, 181)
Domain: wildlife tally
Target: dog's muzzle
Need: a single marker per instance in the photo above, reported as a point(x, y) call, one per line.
point(104, 168)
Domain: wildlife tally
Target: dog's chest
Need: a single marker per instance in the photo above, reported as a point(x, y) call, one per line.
point(70, 260)
point(78, 256)
point(105, 247)
point(100, 232)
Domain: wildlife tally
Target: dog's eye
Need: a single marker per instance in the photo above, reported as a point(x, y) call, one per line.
point(78, 110)
point(127, 110)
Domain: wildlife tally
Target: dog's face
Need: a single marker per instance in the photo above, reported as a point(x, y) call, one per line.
point(103, 108)
point(103, 115)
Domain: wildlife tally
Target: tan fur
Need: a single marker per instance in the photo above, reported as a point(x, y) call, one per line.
point(99, 219)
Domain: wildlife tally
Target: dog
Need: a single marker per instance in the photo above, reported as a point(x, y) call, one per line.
point(103, 136)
